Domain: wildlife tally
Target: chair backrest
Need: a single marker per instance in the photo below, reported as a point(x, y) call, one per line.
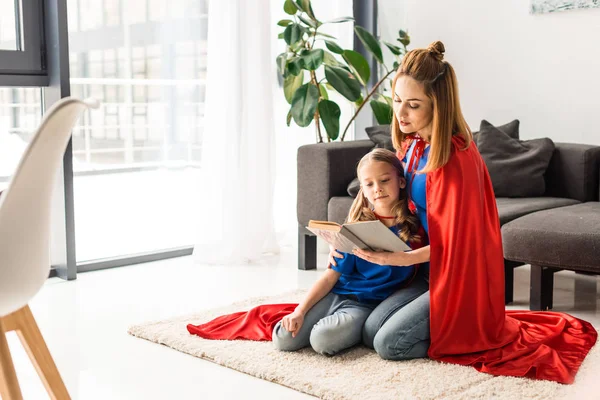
point(26, 203)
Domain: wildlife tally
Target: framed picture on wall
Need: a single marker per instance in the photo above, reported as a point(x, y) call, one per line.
point(548, 6)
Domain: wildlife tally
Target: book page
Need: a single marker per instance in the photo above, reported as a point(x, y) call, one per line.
point(377, 236)
point(331, 226)
point(336, 239)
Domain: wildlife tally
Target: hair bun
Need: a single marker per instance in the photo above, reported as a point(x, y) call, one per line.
point(437, 49)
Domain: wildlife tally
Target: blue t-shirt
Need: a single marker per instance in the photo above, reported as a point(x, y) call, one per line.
point(418, 186)
point(369, 282)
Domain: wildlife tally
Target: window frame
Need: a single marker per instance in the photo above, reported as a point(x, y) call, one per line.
point(26, 67)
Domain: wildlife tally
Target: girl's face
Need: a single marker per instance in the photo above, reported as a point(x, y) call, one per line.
point(412, 108)
point(381, 185)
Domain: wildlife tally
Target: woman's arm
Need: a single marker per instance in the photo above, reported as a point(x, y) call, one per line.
point(293, 322)
point(398, 259)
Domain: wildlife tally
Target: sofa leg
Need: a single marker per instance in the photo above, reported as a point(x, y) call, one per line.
point(509, 278)
point(541, 288)
point(307, 249)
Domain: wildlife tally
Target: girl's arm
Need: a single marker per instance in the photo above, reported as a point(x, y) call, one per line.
point(398, 259)
point(293, 322)
point(318, 290)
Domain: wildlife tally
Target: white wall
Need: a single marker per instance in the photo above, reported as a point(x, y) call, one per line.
point(541, 69)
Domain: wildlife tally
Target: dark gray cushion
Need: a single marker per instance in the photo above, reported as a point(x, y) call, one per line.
point(381, 135)
point(338, 208)
point(511, 129)
point(516, 167)
point(354, 187)
point(565, 237)
point(513, 208)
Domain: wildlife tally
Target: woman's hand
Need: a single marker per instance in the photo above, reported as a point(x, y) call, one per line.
point(293, 322)
point(397, 259)
point(333, 254)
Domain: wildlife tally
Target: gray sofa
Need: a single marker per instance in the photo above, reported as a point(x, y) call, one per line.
point(572, 190)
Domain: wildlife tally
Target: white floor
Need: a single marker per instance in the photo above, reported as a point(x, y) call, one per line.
point(84, 323)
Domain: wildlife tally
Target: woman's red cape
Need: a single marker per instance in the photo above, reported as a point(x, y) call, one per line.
point(469, 324)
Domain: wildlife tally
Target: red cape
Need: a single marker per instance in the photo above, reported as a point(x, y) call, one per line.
point(469, 324)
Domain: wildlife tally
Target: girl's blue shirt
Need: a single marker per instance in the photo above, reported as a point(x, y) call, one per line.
point(367, 281)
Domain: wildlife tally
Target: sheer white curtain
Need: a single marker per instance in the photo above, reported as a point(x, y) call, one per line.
point(235, 217)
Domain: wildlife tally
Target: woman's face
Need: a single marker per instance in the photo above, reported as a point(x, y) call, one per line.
point(412, 108)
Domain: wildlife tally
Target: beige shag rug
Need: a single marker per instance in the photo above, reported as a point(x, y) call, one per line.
point(358, 373)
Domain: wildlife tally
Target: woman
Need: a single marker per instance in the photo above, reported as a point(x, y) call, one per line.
point(463, 314)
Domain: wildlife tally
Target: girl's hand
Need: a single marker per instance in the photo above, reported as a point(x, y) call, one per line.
point(333, 254)
point(293, 322)
point(397, 259)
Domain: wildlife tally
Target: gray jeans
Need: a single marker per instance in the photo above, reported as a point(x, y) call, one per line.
point(334, 324)
point(398, 328)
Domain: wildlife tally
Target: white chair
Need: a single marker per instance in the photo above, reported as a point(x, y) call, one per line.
point(25, 244)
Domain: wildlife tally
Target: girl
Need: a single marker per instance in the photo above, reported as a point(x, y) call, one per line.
point(451, 193)
point(331, 317)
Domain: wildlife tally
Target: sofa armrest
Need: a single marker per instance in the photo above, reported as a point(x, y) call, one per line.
point(574, 172)
point(324, 171)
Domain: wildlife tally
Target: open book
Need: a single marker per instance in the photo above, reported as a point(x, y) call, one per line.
point(369, 235)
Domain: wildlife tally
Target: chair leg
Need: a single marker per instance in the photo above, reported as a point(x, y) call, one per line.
point(9, 385)
point(307, 249)
point(27, 329)
point(541, 288)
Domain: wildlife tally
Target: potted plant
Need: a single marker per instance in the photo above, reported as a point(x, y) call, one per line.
point(314, 64)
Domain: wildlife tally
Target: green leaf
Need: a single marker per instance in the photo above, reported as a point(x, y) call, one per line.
point(290, 85)
point(312, 59)
point(396, 65)
point(338, 20)
point(393, 48)
point(326, 35)
point(308, 21)
point(359, 102)
point(343, 82)
point(288, 119)
point(323, 91)
point(328, 86)
point(281, 61)
point(289, 7)
point(370, 42)
point(304, 104)
point(293, 33)
point(334, 47)
point(295, 65)
point(389, 101)
point(285, 22)
point(305, 6)
point(329, 59)
point(330, 113)
point(382, 112)
point(358, 65)
point(280, 36)
point(403, 38)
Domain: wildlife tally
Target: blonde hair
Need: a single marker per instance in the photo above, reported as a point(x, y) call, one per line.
point(427, 67)
point(407, 223)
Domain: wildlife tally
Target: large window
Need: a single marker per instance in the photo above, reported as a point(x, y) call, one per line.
point(20, 115)
point(135, 159)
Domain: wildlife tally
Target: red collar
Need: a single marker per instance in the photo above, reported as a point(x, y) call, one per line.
point(382, 217)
